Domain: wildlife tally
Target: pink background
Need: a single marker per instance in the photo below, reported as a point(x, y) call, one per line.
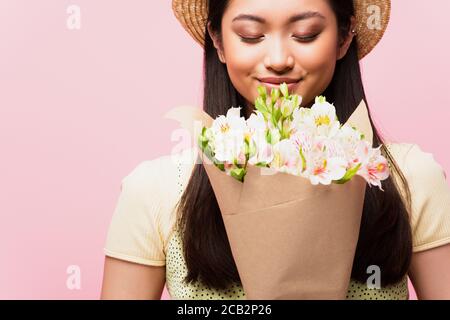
point(80, 108)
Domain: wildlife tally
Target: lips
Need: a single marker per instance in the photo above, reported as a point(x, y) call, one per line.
point(292, 85)
point(274, 80)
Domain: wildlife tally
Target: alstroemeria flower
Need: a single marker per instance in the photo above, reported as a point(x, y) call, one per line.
point(308, 142)
point(355, 149)
point(304, 144)
point(256, 124)
point(302, 120)
point(285, 158)
point(323, 116)
point(375, 169)
point(260, 150)
point(274, 132)
point(229, 134)
point(262, 155)
point(324, 170)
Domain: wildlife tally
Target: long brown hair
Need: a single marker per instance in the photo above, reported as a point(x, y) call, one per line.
point(385, 236)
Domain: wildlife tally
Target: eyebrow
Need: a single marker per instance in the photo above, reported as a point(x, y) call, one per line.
point(295, 18)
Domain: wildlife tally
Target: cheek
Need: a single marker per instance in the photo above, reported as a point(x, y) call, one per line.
point(318, 60)
point(241, 62)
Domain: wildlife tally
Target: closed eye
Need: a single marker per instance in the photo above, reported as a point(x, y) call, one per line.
point(306, 38)
point(299, 39)
point(250, 40)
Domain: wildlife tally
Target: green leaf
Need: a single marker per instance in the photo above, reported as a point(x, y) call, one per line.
point(238, 173)
point(220, 165)
point(278, 115)
point(202, 142)
point(262, 91)
point(321, 99)
point(275, 94)
point(295, 101)
point(274, 120)
point(246, 147)
point(348, 175)
point(210, 156)
point(203, 138)
point(268, 137)
point(260, 105)
point(262, 164)
point(303, 159)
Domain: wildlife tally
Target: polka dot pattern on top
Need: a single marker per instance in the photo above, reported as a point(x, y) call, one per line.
point(176, 271)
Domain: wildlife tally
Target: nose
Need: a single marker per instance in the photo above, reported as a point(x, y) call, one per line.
point(279, 57)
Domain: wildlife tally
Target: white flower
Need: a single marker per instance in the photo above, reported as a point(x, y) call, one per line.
point(288, 106)
point(224, 125)
point(275, 135)
point(229, 133)
point(355, 149)
point(285, 157)
point(257, 129)
point(375, 169)
point(302, 120)
point(323, 115)
point(324, 170)
point(256, 124)
point(307, 142)
point(263, 154)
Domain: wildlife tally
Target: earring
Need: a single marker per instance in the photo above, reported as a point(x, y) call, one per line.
point(354, 31)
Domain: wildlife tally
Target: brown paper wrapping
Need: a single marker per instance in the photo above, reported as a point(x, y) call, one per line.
point(289, 238)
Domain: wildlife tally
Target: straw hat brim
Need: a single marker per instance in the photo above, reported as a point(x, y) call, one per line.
point(372, 17)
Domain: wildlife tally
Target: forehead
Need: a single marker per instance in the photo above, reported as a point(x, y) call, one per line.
point(277, 11)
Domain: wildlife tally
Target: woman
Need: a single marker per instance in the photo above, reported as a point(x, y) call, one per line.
point(167, 226)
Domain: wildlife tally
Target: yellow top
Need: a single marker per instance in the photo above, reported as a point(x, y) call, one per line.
point(142, 229)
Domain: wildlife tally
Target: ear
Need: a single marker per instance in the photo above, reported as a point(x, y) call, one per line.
point(343, 48)
point(217, 43)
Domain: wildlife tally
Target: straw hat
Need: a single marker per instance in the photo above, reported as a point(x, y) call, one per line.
point(372, 17)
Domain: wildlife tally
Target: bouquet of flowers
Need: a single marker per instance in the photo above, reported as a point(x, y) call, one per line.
point(292, 232)
point(307, 142)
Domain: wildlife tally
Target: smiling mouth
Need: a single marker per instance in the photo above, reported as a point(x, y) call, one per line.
point(291, 86)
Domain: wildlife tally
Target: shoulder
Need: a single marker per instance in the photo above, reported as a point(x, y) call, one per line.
point(160, 175)
point(416, 162)
point(399, 150)
point(156, 185)
point(430, 195)
point(419, 165)
point(424, 164)
point(144, 216)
